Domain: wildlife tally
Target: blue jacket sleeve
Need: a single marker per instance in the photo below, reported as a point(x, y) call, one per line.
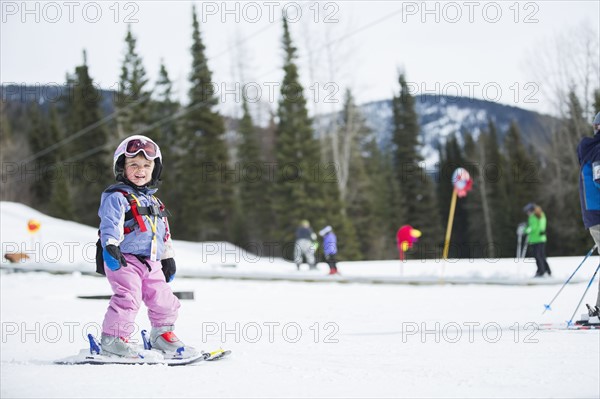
point(112, 217)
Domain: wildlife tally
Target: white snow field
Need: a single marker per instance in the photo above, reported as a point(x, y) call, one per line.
point(305, 339)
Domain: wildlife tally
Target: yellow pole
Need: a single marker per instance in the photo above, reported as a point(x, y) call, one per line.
point(450, 221)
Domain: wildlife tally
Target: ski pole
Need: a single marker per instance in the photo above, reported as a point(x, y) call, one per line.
point(547, 307)
point(524, 251)
point(583, 296)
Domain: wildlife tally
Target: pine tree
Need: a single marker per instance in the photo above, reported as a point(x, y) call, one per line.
point(133, 100)
point(37, 135)
point(297, 192)
point(90, 172)
point(166, 135)
point(476, 205)
point(418, 196)
point(13, 149)
point(207, 199)
point(561, 199)
point(253, 185)
point(163, 108)
point(60, 203)
point(370, 194)
point(523, 178)
point(494, 174)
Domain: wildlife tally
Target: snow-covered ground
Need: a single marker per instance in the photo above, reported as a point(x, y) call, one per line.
point(306, 339)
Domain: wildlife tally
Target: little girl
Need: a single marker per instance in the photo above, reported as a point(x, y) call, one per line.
point(137, 252)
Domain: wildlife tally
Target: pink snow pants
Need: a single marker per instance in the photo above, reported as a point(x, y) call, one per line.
point(131, 285)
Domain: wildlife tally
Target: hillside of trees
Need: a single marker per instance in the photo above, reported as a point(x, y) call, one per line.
point(228, 179)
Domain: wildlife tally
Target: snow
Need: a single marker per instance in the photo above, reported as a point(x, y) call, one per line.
point(307, 339)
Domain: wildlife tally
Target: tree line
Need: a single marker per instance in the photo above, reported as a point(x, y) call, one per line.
point(255, 192)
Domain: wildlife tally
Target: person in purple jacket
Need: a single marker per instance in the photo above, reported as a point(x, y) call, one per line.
point(588, 152)
point(137, 252)
point(330, 248)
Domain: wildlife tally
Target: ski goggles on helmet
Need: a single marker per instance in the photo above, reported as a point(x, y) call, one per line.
point(134, 146)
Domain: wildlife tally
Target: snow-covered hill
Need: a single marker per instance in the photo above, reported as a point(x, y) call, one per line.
point(441, 116)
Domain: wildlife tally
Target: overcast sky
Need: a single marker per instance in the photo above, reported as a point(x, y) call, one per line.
point(471, 48)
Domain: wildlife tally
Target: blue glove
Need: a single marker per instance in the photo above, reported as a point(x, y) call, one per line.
point(168, 269)
point(113, 257)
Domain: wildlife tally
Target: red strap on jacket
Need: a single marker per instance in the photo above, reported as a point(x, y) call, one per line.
point(136, 214)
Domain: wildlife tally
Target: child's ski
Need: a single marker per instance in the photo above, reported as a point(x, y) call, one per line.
point(94, 356)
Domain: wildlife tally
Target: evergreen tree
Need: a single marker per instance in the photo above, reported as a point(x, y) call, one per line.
point(476, 205)
point(417, 191)
point(166, 134)
point(359, 198)
point(298, 193)
point(522, 178)
point(207, 200)
point(494, 174)
point(561, 198)
point(61, 205)
point(371, 193)
point(305, 187)
point(163, 108)
point(133, 99)
point(254, 187)
point(38, 141)
point(13, 149)
point(91, 172)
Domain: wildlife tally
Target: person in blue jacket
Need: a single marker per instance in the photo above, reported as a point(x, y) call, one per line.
point(588, 152)
point(330, 248)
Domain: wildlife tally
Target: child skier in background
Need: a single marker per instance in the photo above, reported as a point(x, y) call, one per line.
point(330, 248)
point(305, 245)
point(137, 252)
point(588, 152)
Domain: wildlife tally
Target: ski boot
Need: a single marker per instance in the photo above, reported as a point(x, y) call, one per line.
point(164, 339)
point(592, 318)
point(118, 346)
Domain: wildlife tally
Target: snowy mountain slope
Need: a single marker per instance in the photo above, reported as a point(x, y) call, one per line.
point(441, 116)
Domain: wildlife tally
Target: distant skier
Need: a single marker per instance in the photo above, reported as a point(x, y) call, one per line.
point(137, 253)
point(536, 232)
point(330, 248)
point(588, 152)
point(304, 246)
point(406, 237)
